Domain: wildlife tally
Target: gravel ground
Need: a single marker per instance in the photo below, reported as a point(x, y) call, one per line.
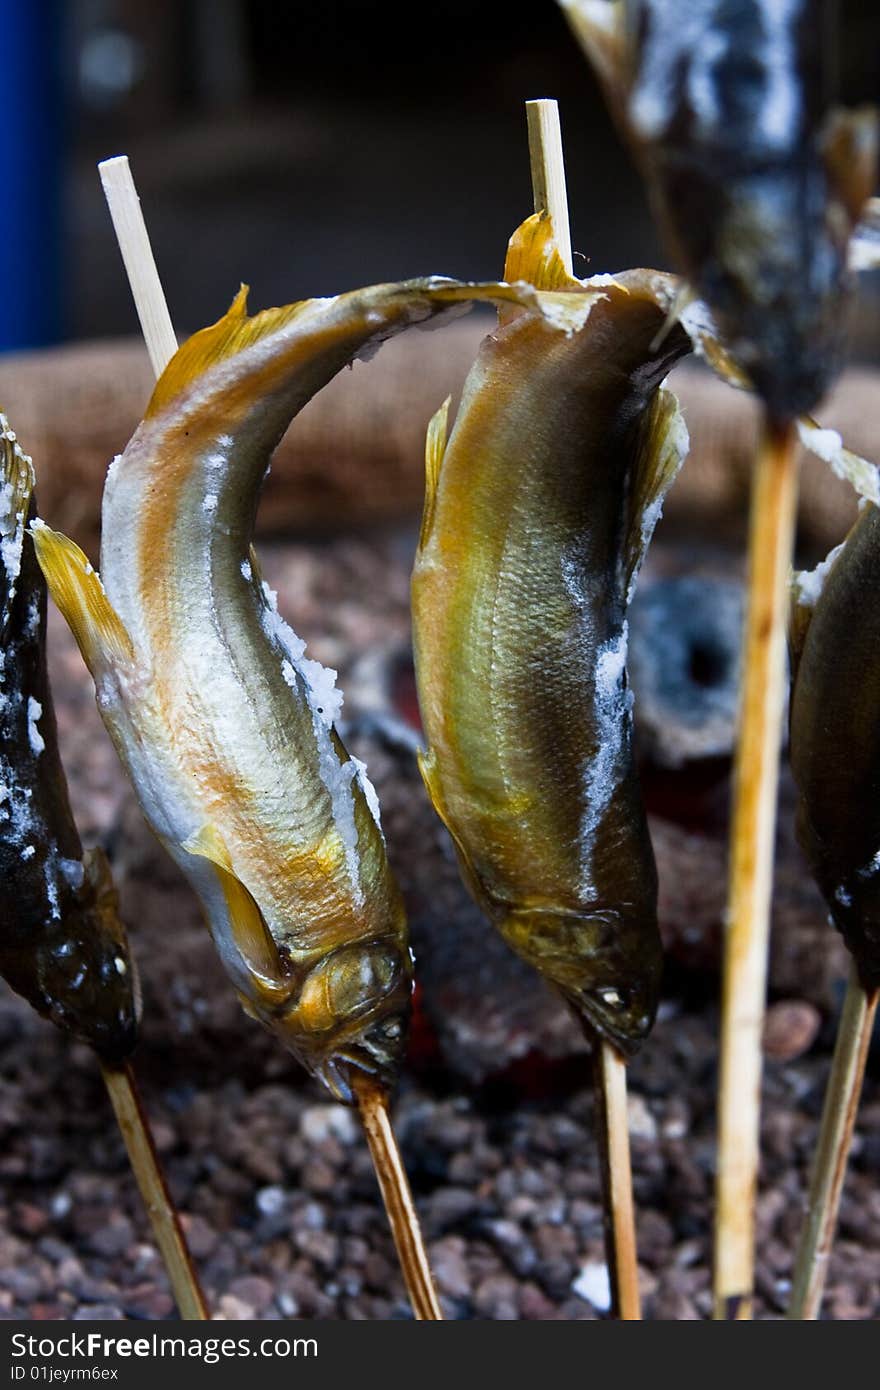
point(274, 1182)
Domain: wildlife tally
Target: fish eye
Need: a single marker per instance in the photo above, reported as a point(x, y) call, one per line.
point(612, 998)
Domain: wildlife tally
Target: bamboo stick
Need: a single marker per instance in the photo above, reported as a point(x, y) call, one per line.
point(396, 1194)
point(832, 1151)
point(771, 532)
point(548, 187)
point(155, 320)
point(135, 1129)
point(140, 265)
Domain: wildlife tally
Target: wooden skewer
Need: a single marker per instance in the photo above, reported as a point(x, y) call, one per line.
point(164, 1220)
point(835, 1137)
point(771, 533)
point(548, 187)
point(396, 1194)
point(548, 171)
point(620, 1226)
point(140, 265)
point(155, 321)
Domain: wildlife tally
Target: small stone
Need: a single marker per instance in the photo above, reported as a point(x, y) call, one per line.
point(318, 1176)
point(98, 1312)
point(113, 1237)
point(200, 1236)
point(232, 1309)
point(60, 1205)
point(593, 1285)
point(320, 1122)
point(271, 1200)
point(29, 1220)
point(642, 1124)
point(149, 1303)
point(320, 1246)
point(496, 1298)
point(257, 1293)
point(790, 1029)
point(448, 1262)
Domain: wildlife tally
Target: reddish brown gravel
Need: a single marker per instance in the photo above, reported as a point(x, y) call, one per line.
point(495, 1112)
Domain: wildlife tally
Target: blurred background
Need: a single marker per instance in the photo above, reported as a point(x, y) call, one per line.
point(304, 148)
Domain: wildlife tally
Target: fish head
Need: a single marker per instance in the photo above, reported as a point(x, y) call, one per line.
point(351, 1016)
point(606, 963)
point(87, 973)
point(767, 250)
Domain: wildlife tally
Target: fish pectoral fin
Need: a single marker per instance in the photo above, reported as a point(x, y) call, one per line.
point(229, 336)
point(435, 448)
point(252, 936)
point(428, 768)
point(79, 595)
point(800, 616)
point(849, 152)
point(663, 449)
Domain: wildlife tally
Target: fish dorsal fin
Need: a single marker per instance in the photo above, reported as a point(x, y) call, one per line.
point(252, 936)
point(435, 448)
point(663, 449)
point(230, 335)
point(533, 256)
point(79, 595)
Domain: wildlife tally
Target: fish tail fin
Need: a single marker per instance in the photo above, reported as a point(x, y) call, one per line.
point(79, 595)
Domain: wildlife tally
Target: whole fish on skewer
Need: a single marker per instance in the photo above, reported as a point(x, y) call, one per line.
point(539, 508)
point(834, 743)
point(62, 944)
point(834, 748)
point(757, 179)
point(225, 727)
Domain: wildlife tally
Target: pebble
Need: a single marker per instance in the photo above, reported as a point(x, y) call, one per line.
point(449, 1263)
point(320, 1122)
point(232, 1309)
point(593, 1284)
point(641, 1122)
point(271, 1200)
point(791, 1026)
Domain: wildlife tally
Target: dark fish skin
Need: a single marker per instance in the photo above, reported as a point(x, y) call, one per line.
point(835, 744)
point(62, 945)
point(755, 181)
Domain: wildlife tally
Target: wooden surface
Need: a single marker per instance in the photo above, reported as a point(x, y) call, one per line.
point(354, 456)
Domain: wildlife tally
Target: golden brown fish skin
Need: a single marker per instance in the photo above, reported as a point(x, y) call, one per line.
point(211, 704)
point(520, 594)
point(834, 743)
point(62, 944)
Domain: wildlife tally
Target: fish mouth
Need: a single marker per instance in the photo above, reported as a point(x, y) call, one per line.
point(624, 1025)
point(376, 1053)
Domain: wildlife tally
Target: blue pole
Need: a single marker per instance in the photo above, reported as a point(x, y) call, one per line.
point(30, 173)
